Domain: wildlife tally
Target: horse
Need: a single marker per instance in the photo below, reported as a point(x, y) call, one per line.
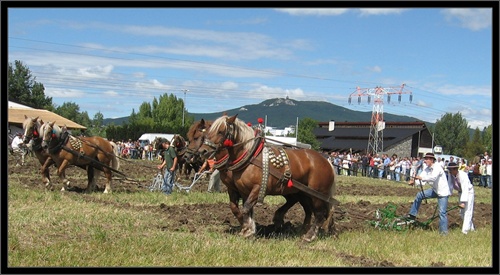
point(31, 129)
point(85, 152)
point(179, 144)
point(196, 137)
point(258, 169)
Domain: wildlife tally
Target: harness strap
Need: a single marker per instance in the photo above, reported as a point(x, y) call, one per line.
point(298, 185)
point(265, 174)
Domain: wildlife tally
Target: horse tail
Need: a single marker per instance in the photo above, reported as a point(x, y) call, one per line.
point(115, 161)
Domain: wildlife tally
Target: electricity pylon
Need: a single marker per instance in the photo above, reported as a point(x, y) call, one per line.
point(376, 137)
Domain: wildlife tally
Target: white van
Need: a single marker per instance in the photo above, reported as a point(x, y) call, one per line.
point(148, 138)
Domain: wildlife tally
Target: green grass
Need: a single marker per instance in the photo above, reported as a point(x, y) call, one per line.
point(53, 229)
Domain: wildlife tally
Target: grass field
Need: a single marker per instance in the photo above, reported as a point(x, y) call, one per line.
point(121, 229)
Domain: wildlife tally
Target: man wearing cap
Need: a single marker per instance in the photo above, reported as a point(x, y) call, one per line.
point(17, 145)
point(434, 175)
point(460, 182)
point(169, 164)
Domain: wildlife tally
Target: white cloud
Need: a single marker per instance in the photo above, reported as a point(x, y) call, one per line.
point(315, 12)
point(64, 93)
point(375, 69)
point(340, 11)
point(473, 19)
point(380, 11)
point(464, 90)
point(95, 71)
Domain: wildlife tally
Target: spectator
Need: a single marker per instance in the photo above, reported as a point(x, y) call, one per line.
point(169, 165)
point(18, 148)
point(392, 168)
point(488, 172)
point(365, 161)
point(434, 174)
point(405, 168)
point(345, 166)
point(385, 168)
point(397, 170)
point(461, 165)
point(371, 168)
point(214, 182)
point(460, 182)
point(482, 172)
point(377, 162)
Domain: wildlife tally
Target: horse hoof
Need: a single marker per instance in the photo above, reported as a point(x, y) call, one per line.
point(308, 238)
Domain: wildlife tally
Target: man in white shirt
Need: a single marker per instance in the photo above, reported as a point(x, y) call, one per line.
point(17, 148)
point(434, 175)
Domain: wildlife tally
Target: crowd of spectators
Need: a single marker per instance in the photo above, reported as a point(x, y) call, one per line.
point(402, 169)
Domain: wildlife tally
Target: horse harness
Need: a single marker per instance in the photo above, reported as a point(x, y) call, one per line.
point(269, 156)
point(277, 160)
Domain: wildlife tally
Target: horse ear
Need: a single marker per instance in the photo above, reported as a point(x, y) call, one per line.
point(232, 119)
point(52, 123)
point(202, 122)
point(25, 116)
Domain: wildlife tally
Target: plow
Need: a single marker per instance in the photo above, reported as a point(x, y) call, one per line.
point(386, 219)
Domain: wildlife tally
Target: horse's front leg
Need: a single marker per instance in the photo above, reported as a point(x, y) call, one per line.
point(45, 171)
point(248, 229)
point(234, 198)
point(62, 175)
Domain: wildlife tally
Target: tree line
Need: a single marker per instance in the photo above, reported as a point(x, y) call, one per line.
point(164, 115)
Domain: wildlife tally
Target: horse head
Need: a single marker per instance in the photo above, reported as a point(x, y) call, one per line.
point(196, 137)
point(226, 133)
point(31, 127)
point(50, 132)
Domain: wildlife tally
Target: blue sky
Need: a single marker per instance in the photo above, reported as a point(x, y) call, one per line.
point(110, 60)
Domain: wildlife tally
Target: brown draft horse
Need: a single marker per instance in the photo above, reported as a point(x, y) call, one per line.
point(31, 128)
point(86, 152)
point(278, 173)
point(196, 136)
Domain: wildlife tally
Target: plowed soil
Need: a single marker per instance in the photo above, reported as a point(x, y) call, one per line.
point(349, 216)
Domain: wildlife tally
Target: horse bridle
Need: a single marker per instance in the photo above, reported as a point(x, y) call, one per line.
point(227, 141)
point(32, 134)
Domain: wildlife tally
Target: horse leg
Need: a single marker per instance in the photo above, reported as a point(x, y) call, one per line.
point(291, 200)
point(109, 177)
point(279, 215)
point(321, 212)
point(45, 171)
point(234, 198)
point(62, 175)
point(306, 203)
point(90, 179)
point(248, 228)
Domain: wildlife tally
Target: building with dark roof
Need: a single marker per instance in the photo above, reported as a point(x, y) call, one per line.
point(400, 138)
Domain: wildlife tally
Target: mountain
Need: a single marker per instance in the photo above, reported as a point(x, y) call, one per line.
point(283, 112)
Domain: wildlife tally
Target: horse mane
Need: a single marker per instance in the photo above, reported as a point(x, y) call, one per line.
point(242, 131)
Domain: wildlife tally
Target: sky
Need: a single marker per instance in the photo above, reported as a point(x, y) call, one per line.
point(111, 60)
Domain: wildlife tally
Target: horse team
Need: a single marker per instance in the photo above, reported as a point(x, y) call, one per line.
point(249, 167)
